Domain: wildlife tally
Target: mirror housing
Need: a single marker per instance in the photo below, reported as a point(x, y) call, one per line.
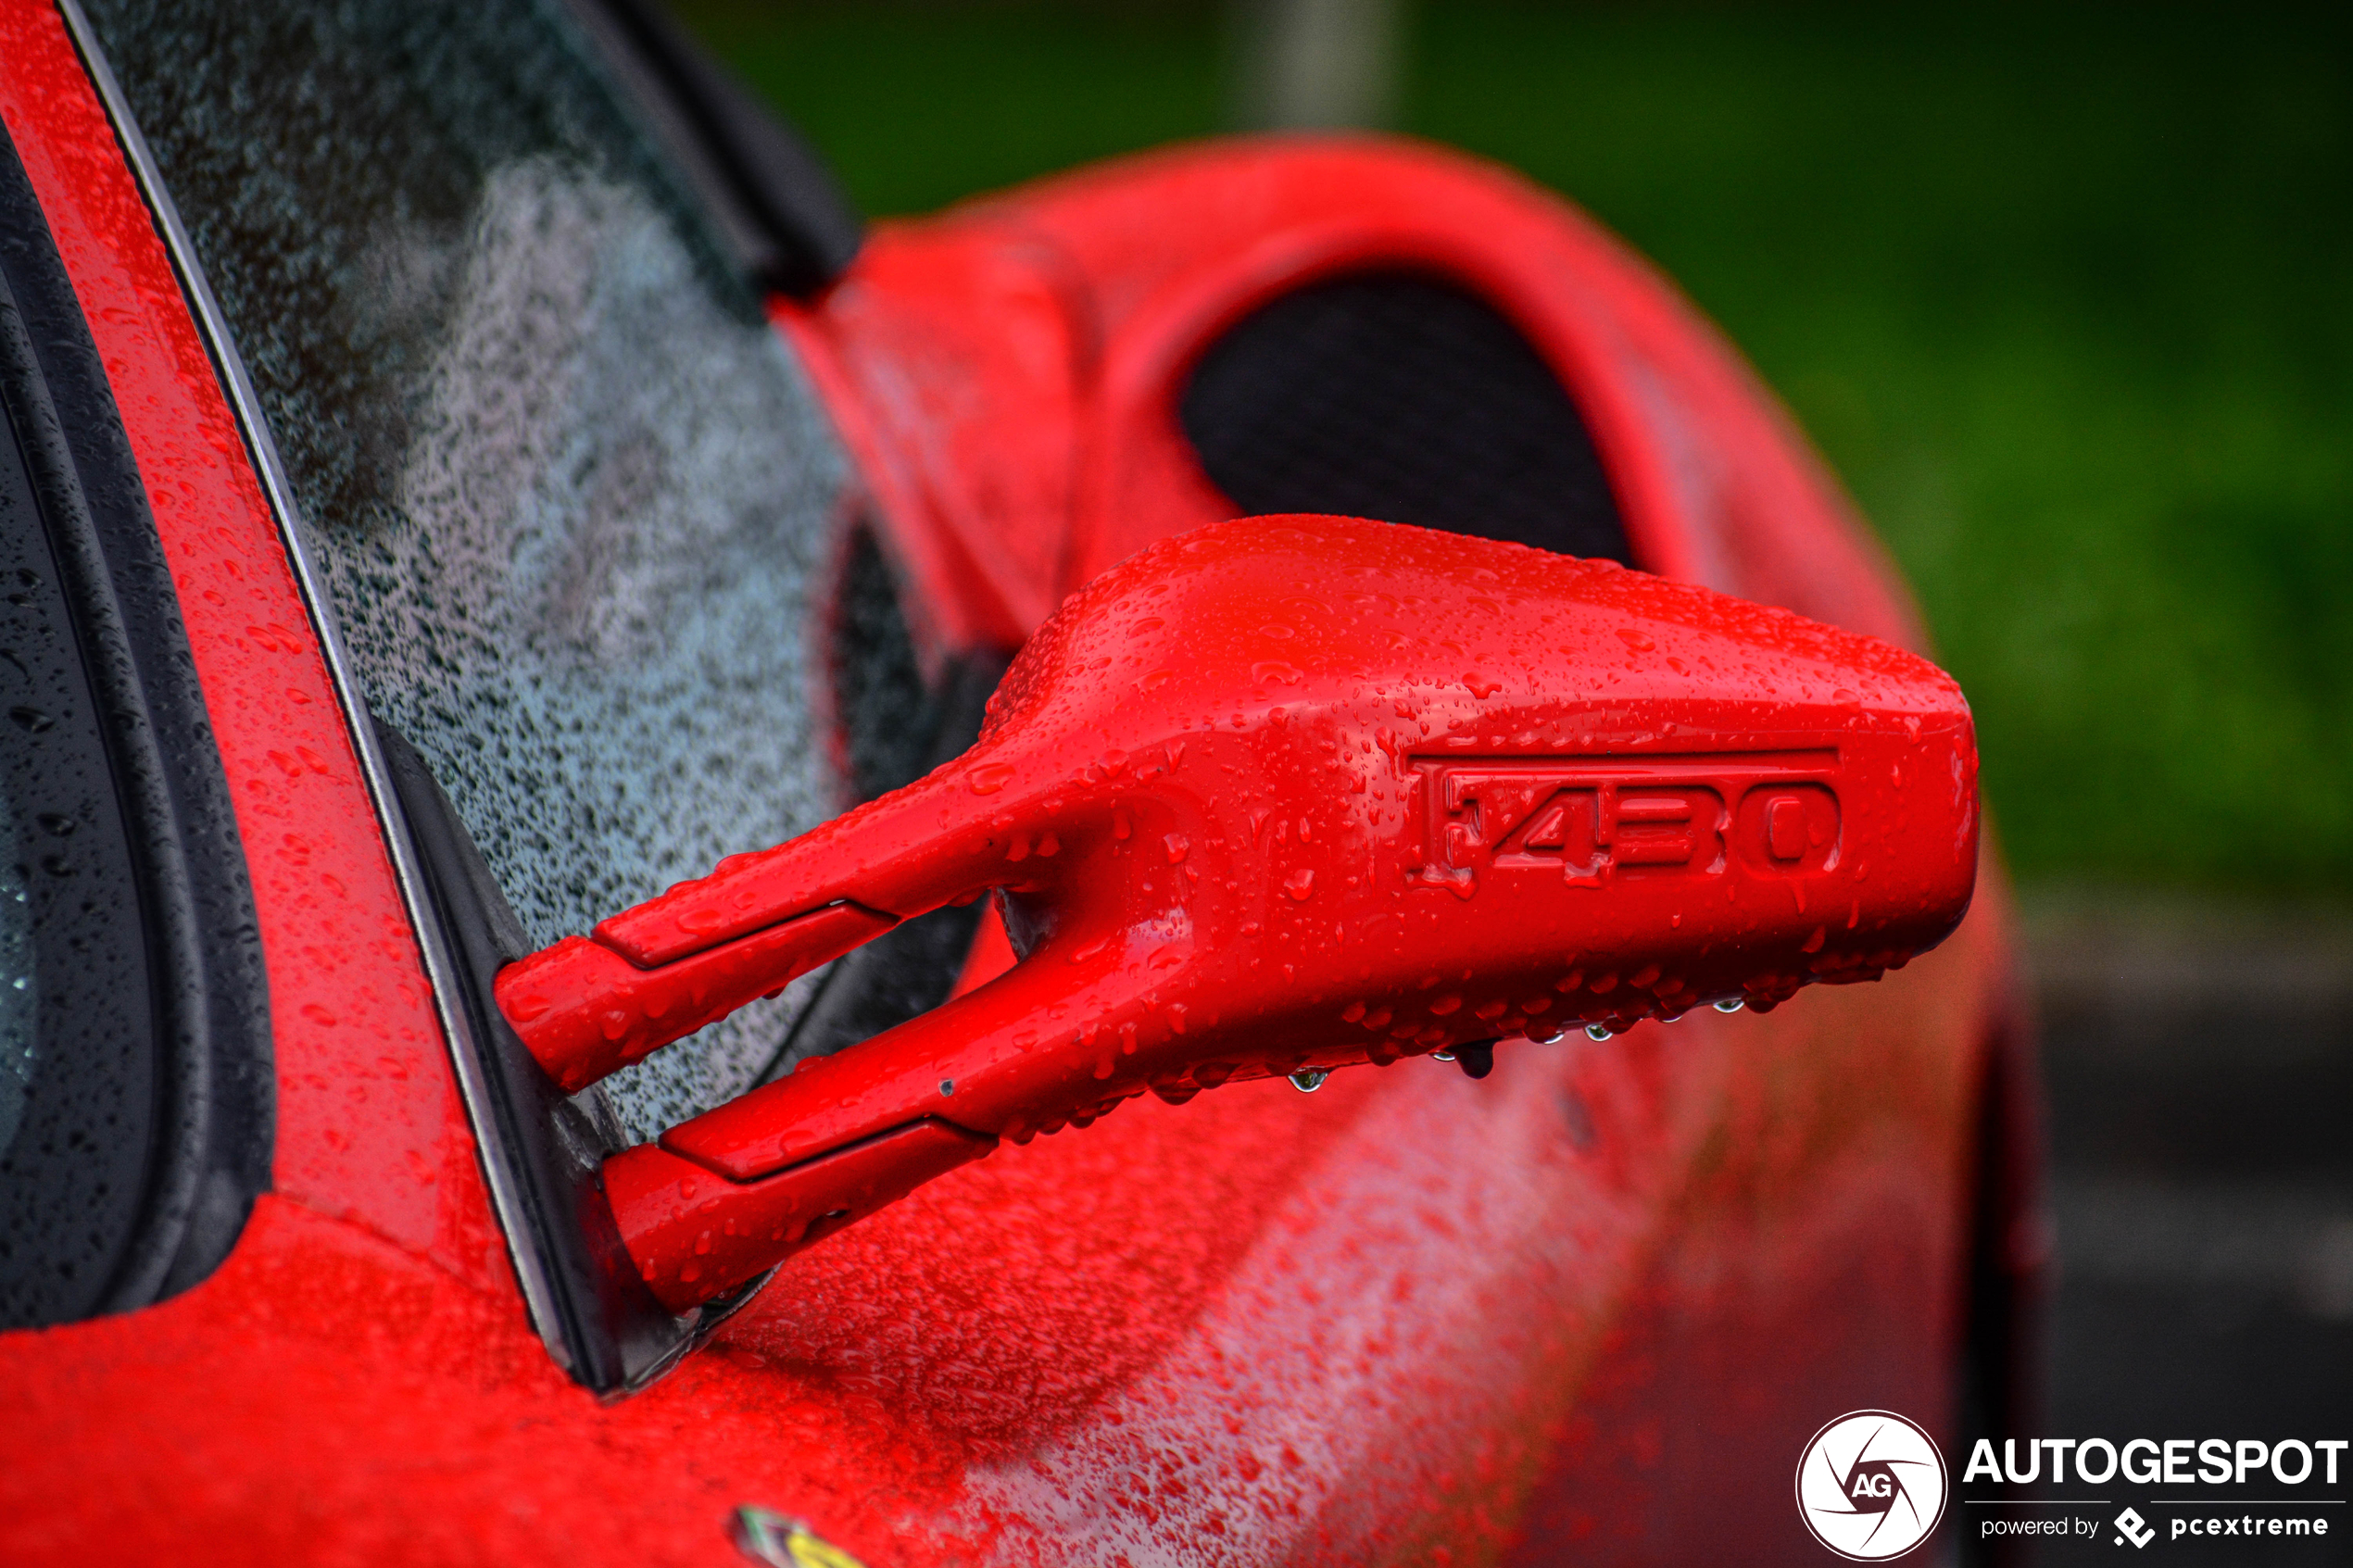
point(1277, 797)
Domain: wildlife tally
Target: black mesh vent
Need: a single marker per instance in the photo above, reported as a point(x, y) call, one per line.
point(1399, 396)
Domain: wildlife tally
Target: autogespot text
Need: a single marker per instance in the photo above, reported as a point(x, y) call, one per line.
point(2151, 1463)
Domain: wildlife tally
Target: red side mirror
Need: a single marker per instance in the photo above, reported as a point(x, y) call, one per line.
point(1278, 797)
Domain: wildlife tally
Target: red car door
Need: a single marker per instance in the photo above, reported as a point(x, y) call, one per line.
point(547, 517)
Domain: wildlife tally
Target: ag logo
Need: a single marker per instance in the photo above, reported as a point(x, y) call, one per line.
point(1871, 1485)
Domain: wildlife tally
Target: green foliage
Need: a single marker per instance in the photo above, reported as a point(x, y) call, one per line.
point(2065, 295)
point(918, 105)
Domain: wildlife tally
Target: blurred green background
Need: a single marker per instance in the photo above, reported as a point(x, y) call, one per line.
point(2065, 293)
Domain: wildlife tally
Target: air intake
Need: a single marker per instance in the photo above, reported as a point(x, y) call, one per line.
point(1401, 397)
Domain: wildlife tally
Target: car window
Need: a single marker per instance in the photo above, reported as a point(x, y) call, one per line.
point(567, 489)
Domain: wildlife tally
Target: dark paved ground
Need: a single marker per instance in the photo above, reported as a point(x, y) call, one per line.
point(2200, 1065)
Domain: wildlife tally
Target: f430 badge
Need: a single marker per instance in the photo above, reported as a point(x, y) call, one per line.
point(1588, 819)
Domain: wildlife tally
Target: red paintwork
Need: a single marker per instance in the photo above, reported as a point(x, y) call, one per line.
point(590, 1006)
point(1461, 789)
point(992, 954)
point(954, 361)
point(1590, 1304)
point(1150, 256)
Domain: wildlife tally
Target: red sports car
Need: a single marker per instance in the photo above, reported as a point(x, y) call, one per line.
point(608, 769)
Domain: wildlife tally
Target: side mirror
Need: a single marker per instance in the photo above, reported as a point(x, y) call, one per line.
point(1275, 797)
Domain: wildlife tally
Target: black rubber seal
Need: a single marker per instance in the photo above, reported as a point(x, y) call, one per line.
point(615, 1335)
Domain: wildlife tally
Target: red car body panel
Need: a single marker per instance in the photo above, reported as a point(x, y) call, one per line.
point(1015, 363)
point(1599, 1298)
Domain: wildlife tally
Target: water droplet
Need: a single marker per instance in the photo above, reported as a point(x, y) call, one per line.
point(947, 1087)
point(1731, 1004)
point(989, 777)
point(1301, 885)
point(1177, 845)
point(1597, 1031)
point(30, 719)
point(1307, 1080)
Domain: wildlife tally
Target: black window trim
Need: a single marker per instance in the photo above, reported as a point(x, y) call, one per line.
point(776, 206)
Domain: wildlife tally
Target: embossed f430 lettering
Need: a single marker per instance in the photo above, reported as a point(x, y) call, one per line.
point(1589, 818)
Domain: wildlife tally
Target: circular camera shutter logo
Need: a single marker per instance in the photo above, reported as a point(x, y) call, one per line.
point(1871, 1485)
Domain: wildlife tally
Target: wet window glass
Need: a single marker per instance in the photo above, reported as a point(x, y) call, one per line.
point(568, 488)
